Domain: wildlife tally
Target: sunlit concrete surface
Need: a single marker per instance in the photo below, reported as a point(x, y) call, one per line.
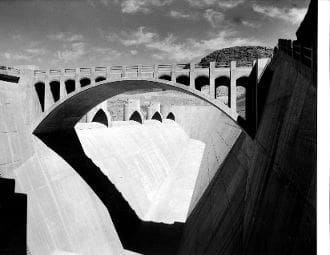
point(154, 165)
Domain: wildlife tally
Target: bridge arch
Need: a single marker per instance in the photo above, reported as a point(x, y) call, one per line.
point(70, 85)
point(64, 113)
point(40, 90)
point(100, 78)
point(55, 89)
point(242, 99)
point(157, 116)
point(85, 81)
point(101, 117)
point(183, 79)
point(136, 116)
point(165, 77)
point(202, 83)
point(170, 116)
point(222, 85)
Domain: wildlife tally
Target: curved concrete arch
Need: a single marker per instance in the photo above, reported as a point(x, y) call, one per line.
point(170, 116)
point(201, 81)
point(157, 116)
point(136, 116)
point(242, 81)
point(101, 117)
point(66, 112)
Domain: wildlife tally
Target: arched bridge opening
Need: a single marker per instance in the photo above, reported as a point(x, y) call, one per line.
point(101, 117)
point(136, 116)
point(157, 116)
point(170, 116)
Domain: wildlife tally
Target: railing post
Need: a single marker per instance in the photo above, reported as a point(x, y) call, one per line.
point(212, 79)
point(192, 76)
point(155, 71)
point(173, 74)
point(232, 89)
point(77, 78)
point(93, 76)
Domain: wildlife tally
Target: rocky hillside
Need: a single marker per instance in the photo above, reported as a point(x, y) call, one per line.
point(242, 54)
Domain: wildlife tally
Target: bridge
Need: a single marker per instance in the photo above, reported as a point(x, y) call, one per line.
point(64, 96)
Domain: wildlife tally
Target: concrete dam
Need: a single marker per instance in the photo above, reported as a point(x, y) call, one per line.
point(229, 173)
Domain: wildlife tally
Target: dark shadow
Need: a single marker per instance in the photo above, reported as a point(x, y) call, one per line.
point(9, 78)
point(85, 82)
point(157, 116)
point(55, 89)
point(135, 234)
point(100, 78)
point(40, 89)
point(13, 219)
point(165, 77)
point(70, 86)
point(136, 116)
point(170, 116)
point(183, 79)
point(101, 117)
point(201, 81)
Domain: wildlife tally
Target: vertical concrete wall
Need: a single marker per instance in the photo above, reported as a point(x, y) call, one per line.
point(262, 197)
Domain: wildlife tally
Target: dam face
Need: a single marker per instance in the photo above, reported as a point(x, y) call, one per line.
point(196, 185)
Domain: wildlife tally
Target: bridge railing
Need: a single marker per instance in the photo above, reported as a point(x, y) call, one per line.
point(9, 70)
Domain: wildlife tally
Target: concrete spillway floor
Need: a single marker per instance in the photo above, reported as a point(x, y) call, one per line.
point(154, 165)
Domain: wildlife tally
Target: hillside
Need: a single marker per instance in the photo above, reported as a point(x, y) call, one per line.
point(242, 54)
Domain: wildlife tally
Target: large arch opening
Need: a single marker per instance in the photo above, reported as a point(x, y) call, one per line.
point(183, 79)
point(40, 89)
point(136, 116)
point(241, 96)
point(202, 84)
point(222, 85)
point(100, 78)
point(101, 117)
point(170, 116)
point(55, 89)
point(70, 86)
point(157, 116)
point(165, 77)
point(85, 82)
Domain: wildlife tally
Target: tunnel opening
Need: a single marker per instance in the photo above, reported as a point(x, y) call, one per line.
point(55, 89)
point(101, 117)
point(183, 79)
point(100, 78)
point(85, 82)
point(170, 116)
point(136, 116)
point(40, 89)
point(241, 98)
point(165, 77)
point(157, 116)
point(222, 85)
point(70, 86)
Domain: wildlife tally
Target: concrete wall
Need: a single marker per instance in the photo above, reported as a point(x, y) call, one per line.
point(262, 197)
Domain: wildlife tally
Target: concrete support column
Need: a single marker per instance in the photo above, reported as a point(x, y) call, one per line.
point(131, 106)
point(48, 94)
point(123, 72)
point(155, 71)
point(212, 79)
point(232, 89)
point(139, 72)
point(93, 76)
point(62, 85)
point(77, 79)
point(108, 73)
point(192, 76)
point(173, 74)
point(152, 109)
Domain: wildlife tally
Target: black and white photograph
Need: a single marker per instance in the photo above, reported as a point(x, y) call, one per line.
point(164, 127)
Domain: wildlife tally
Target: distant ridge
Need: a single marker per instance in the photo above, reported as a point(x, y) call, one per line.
point(242, 54)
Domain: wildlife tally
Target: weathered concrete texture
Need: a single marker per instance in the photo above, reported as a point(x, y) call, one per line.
point(262, 198)
point(154, 166)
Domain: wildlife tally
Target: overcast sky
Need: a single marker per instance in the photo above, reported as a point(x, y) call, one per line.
point(76, 33)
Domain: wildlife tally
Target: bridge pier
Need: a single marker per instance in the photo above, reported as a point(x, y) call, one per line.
point(77, 79)
point(62, 85)
point(173, 73)
point(48, 100)
point(192, 76)
point(232, 89)
point(212, 79)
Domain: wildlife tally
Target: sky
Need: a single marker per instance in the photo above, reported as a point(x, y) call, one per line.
point(87, 33)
